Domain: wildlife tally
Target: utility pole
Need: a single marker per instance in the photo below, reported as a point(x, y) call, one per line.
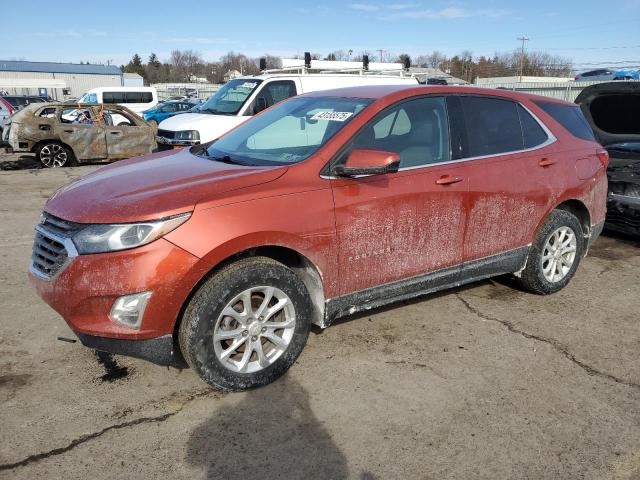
point(381, 57)
point(522, 39)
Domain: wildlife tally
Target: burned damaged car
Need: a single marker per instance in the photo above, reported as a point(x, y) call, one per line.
point(62, 135)
point(613, 110)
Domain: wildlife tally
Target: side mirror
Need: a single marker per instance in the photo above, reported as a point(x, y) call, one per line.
point(261, 104)
point(362, 161)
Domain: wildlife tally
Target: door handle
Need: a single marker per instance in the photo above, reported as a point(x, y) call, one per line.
point(114, 133)
point(546, 162)
point(448, 180)
point(68, 131)
point(44, 127)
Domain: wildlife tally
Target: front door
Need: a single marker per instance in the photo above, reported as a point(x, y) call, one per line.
point(125, 137)
point(403, 224)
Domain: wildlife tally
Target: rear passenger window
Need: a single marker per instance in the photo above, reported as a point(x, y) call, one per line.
point(417, 130)
point(570, 117)
point(532, 132)
point(113, 97)
point(493, 126)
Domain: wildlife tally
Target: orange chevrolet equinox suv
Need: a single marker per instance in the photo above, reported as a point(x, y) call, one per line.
point(223, 255)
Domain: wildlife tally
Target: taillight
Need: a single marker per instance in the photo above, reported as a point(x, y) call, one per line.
point(603, 156)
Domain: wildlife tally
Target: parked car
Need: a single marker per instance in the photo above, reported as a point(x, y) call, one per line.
point(237, 100)
point(61, 134)
point(612, 110)
point(436, 81)
point(607, 74)
point(165, 109)
point(324, 205)
point(9, 104)
point(136, 99)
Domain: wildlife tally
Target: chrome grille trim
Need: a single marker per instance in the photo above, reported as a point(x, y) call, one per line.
point(51, 251)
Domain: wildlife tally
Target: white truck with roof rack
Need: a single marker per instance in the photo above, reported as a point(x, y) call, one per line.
point(239, 99)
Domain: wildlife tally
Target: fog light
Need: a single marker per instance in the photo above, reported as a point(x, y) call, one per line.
point(129, 309)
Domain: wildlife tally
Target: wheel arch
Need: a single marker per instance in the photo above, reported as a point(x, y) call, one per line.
point(293, 259)
point(577, 208)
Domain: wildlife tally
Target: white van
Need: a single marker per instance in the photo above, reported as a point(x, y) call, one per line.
point(136, 99)
point(239, 99)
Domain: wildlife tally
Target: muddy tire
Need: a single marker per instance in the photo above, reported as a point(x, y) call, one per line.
point(54, 155)
point(555, 254)
point(246, 325)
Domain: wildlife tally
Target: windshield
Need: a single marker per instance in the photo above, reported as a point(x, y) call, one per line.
point(288, 132)
point(89, 98)
point(230, 98)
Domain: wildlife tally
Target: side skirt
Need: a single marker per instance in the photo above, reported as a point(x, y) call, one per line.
point(468, 272)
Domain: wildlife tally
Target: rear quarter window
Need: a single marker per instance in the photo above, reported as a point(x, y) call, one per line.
point(532, 132)
point(570, 117)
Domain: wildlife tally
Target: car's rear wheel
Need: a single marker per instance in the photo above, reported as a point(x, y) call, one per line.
point(555, 254)
point(246, 325)
point(54, 155)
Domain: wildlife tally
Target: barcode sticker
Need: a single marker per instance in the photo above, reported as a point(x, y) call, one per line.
point(333, 116)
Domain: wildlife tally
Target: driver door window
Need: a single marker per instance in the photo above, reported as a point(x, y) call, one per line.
point(274, 92)
point(417, 130)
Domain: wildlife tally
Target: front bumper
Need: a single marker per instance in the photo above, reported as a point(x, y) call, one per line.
point(176, 143)
point(160, 350)
point(623, 214)
point(85, 289)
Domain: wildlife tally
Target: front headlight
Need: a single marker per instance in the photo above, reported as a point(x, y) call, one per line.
point(187, 135)
point(110, 238)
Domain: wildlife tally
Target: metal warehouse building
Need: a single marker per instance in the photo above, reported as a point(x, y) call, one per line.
point(58, 80)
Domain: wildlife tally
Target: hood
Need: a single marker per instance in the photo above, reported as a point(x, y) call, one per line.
point(209, 126)
point(612, 110)
point(152, 186)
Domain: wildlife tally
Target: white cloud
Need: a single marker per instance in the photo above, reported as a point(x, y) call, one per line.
point(448, 13)
point(364, 7)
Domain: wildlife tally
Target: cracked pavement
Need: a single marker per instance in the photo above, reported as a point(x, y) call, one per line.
point(484, 381)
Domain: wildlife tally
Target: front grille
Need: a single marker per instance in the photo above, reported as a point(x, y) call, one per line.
point(166, 134)
point(49, 252)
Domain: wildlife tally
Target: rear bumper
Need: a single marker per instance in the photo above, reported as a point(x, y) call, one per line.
point(160, 350)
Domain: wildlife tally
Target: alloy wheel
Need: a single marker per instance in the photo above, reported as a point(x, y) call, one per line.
point(254, 329)
point(558, 254)
point(53, 155)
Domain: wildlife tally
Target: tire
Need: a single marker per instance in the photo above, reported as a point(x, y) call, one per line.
point(52, 154)
point(203, 322)
point(540, 275)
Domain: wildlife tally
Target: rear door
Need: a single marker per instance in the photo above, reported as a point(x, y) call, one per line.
point(512, 175)
point(402, 224)
point(129, 138)
point(86, 139)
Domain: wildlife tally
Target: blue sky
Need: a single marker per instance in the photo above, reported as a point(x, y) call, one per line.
point(71, 31)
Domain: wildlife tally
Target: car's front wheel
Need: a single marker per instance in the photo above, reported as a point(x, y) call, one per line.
point(53, 155)
point(246, 325)
point(555, 253)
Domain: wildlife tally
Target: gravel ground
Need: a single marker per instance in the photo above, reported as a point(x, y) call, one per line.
point(480, 382)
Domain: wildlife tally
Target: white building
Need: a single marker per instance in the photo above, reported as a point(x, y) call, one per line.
point(57, 80)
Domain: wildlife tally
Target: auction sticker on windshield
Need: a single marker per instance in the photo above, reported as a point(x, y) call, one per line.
point(333, 116)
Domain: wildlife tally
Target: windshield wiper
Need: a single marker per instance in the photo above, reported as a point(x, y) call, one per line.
point(223, 159)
